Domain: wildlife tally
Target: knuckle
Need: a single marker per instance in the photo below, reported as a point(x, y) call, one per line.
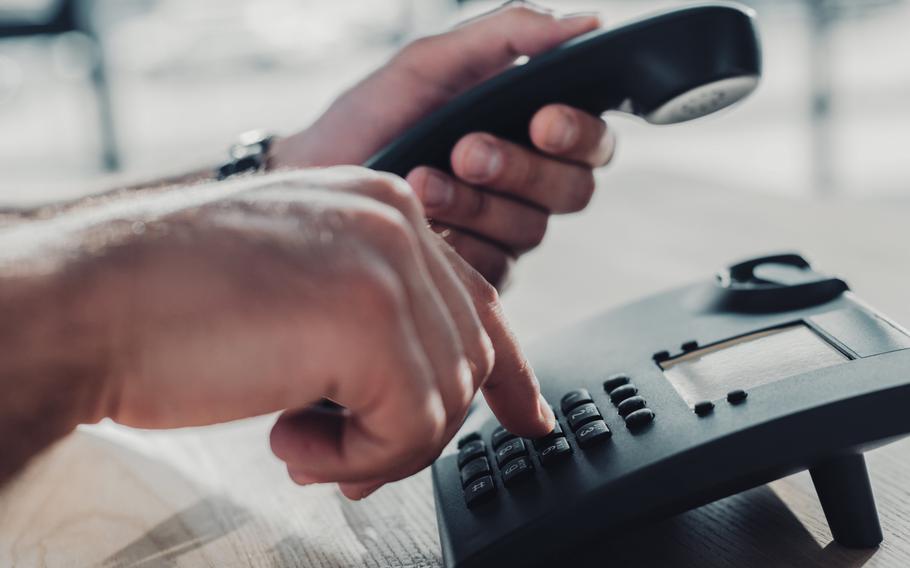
point(393, 191)
point(485, 293)
point(428, 425)
point(388, 228)
point(462, 394)
point(525, 12)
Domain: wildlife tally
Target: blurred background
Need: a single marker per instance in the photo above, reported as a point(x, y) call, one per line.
point(93, 87)
point(93, 91)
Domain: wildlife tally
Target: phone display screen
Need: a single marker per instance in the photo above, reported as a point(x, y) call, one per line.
point(748, 361)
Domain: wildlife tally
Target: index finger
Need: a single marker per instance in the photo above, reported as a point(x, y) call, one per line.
point(512, 390)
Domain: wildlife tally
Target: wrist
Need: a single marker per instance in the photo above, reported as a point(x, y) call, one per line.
point(56, 347)
point(287, 153)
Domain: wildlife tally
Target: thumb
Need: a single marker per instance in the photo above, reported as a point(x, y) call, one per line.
point(484, 46)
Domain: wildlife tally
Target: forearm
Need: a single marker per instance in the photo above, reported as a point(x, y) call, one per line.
point(10, 215)
point(53, 354)
point(67, 305)
point(201, 175)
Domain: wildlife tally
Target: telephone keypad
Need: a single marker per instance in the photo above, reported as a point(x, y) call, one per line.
point(479, 490)
point(510, 450)
point(553, 451)
point(468, 438)
point(582, 414)
point(501, 436)
point(575, 398)
point(546, 440)
point(515, 470)
point(470, 451)
point(596, 431)
point(474, 469)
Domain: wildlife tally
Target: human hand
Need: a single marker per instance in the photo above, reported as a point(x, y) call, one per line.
point(497, 205)
point(282, 290)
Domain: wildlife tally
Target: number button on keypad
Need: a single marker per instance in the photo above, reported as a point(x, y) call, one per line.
point(479, 490)
point(553, 451)
point(515, 470)
point(510, 450)
point(582, 414)
point(592, 432)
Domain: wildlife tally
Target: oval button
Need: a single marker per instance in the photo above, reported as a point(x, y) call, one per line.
point(630, 405)
point(622, 393)
point(640, 418)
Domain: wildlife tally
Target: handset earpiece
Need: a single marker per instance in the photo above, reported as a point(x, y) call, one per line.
point(703, 100)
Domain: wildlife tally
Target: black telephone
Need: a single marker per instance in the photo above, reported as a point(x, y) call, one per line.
point(686, 397)
point(681, 399)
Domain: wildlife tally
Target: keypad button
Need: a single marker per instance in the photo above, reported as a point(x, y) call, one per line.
point(704, 408)
point(582, 414)
point(479, 490)
point(622, 393)
point(515, 470)
point(615, 381)
point(474, 469)
point(689, 346)
point(661, 356)
point(640, 418)
point(470, 451)
point(737, 396)
point(553, 451)
point(574, 398)
point(509, 450)
point(555, 433)
point(630, 405)
point(468, 438)
point(501, 435)
point(592, 432)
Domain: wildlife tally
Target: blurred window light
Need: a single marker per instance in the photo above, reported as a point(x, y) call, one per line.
point(29, 10)
point(72, 54)
point(180, 38)
point(10, 79)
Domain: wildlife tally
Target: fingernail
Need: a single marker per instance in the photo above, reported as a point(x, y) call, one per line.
point(562, 132)
point(482, 161)
point(303, 479)
point(436, 192)
point(584, 15)
point(546, 412)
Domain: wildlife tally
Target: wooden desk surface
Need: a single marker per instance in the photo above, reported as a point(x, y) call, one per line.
point(112, 497)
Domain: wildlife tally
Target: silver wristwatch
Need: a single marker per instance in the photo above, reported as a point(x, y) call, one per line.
point(249, 154)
